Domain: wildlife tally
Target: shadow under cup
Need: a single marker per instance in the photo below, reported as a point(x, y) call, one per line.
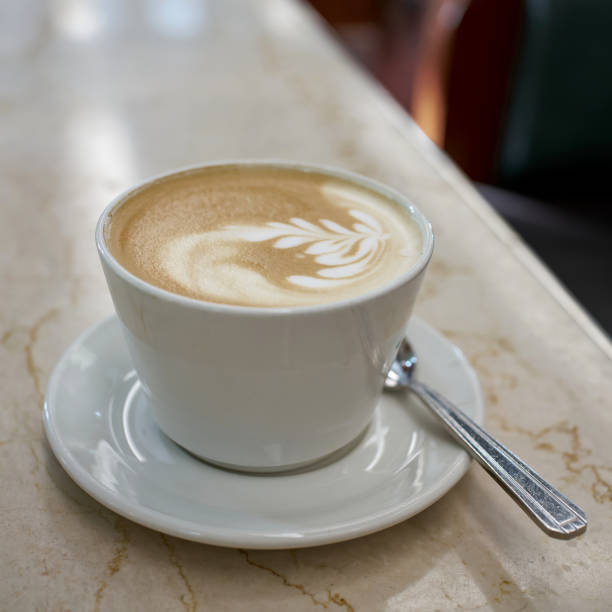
point(263, 389)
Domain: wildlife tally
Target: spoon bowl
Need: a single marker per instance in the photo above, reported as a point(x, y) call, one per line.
point(402, 368)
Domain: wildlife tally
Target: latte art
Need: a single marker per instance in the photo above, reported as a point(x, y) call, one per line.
point(343, 253)
point(263, 237)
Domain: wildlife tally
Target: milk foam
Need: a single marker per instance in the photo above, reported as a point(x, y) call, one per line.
point(351, 242)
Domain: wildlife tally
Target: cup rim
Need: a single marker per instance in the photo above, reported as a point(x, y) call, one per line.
point(266, 311)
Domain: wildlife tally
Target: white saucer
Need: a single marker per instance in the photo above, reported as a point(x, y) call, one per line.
point(99, 426)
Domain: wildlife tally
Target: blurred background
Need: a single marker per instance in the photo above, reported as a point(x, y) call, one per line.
point(519, 94)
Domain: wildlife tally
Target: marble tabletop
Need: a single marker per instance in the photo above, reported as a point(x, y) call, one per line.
point(97, 95)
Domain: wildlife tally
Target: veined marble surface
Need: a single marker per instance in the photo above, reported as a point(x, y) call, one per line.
point(97, 95)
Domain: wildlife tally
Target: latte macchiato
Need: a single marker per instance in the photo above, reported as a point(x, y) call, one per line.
point(262, 236)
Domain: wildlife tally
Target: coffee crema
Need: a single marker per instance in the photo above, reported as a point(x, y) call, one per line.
point(262, 236)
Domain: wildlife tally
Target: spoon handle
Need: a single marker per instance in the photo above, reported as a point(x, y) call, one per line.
point(549, 509)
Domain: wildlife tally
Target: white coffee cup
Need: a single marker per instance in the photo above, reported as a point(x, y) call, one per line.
point(263, 389)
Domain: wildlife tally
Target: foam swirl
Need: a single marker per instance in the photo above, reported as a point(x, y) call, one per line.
point(344, 253)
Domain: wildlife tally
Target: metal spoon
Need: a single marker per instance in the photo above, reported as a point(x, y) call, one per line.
point(550, 510)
